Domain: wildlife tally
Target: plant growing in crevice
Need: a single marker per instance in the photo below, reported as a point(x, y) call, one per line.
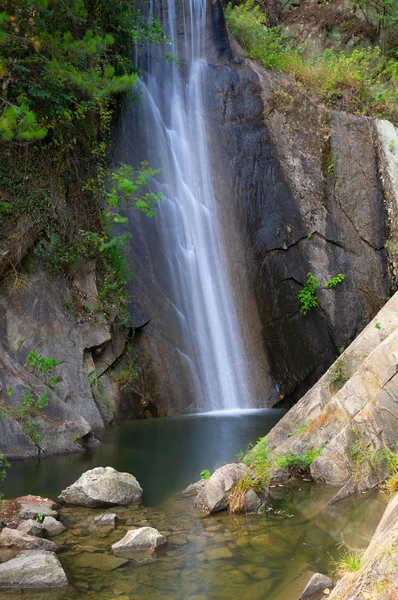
point(205, 474)
point(349, 562)
point(298, 464)
point(307, 295)
point(334, 281)
point(390, 457)
point(362, 456)
point(339, 374)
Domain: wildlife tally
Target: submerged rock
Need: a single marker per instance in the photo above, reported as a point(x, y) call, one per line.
point(105, 521)
point(103, 486)
point(144, 538)
point(101, 562)
point(214, 495)
point(254, 502)
point(36, 569)
point(52, 527)
point(12, 538)
point(314, 590)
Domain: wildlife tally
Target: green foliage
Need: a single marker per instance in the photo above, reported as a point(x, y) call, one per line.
point(334, 281)
point(205, 474)
point(298, 431)
point(307, 295)
point(40, 518)
point(377, 325)
point(350, 562)
point(4, 465)
point(338, 373)
point(42, 363)
point(362, 456)
point(127, 376)
point(363, 81)
point(64, 64)
point(28, 407)
point(265, 44)
point(300, 462)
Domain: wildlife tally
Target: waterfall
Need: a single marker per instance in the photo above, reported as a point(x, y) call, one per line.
point(172, 127)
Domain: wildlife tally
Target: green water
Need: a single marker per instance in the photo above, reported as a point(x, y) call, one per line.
point(257, 557)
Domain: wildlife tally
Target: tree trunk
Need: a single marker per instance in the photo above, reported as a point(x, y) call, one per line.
point(272, 12)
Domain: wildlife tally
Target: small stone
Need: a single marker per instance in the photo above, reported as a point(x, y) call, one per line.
point(316, 586)
point(33, 569)
point(144, 538)
point(106, 520)
point(53, 527)
point(31, 527)
point(216, 553)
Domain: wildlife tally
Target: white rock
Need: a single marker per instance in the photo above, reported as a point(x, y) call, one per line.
point(144, 538)
point(53, 527)
point(103, 486)
point(12, 538)
point(34, 569)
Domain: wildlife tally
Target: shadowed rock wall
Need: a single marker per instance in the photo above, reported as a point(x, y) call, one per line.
point(299, 191)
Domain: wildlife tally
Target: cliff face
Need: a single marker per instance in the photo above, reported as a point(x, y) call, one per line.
point(306, 184)
point(54, 410)
point(301, 188)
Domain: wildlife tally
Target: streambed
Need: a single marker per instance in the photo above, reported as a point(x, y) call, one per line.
point(267, 557)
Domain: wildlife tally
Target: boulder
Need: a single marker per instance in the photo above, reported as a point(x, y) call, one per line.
point(34, 569)
point(314, 590)
point(31, 527)
point(254, 502)
point(137, 540)
point(12, 538)
point(106, 521)
point(32, 510)
point(214, 495)
point(103, 486)
point(194, 488)
point(52, 527)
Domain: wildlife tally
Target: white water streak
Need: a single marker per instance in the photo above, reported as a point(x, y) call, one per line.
point(172, 115)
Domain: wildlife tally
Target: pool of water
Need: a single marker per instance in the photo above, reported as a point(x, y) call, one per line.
point(165, 455)
point(250, 557)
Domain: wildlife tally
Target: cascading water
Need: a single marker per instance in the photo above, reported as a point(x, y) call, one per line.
point(173, 127)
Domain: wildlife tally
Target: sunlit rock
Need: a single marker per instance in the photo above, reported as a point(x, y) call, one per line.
point(103, 486)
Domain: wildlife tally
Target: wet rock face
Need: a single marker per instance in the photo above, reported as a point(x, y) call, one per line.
point(304, 181)
point(103, 486)
point(33, 569)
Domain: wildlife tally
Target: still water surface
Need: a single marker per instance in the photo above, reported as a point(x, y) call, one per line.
point(256, 557)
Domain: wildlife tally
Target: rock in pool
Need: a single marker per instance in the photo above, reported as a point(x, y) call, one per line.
point(103, 486)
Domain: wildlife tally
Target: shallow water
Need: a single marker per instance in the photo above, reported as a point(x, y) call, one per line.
point(257, 557)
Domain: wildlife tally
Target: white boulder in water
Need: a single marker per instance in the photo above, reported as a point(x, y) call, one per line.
point(142, 539)
point(103, 486)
